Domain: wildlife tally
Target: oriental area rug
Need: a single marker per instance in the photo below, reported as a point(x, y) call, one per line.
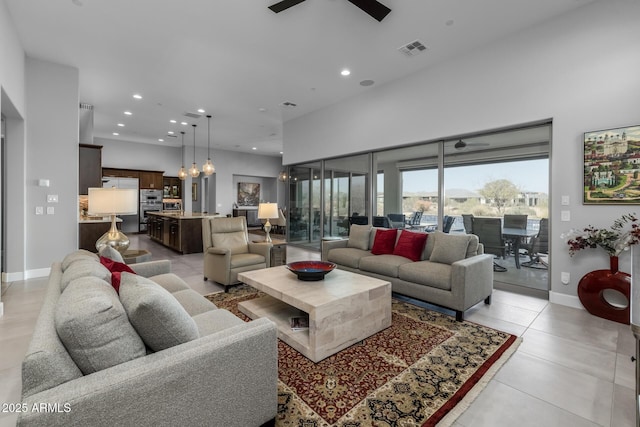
point(424, 369)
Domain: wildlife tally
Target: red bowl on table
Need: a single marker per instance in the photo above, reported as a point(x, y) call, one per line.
point(310, 271)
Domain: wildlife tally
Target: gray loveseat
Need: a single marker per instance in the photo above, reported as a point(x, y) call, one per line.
point(85, 368)
point(451, 271)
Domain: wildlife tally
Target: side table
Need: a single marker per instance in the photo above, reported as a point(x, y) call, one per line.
point(278, 252)
point(133, 256)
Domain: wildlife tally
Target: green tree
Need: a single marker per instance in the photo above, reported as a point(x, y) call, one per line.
point(500, 193)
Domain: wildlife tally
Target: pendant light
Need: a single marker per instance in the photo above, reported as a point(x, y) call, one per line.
point(182, 173)
point(194, 171)
point(208, 167)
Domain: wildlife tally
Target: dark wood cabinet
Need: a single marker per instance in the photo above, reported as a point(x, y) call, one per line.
point(121, 173)
point(151, 180)
point(182, 234)
point(172, 187)
point(90, 232)
point(90, 175)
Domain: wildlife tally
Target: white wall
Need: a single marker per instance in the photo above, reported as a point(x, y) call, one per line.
point(580, 69)
point(52, 153)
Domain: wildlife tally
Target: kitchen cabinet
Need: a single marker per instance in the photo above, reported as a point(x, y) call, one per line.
point(151, 180)
point(121, 173)
point(180, 232)
point(172, 187)
point(91, 230)
point(90, 175)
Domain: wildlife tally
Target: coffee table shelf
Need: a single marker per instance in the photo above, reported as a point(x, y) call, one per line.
point(343, 309)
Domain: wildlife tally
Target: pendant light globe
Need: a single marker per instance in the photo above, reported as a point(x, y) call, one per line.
point(208, 167)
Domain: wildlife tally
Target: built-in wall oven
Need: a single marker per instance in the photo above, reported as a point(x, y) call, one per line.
point(150, 200)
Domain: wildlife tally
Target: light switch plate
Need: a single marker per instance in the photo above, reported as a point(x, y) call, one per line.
point(39, 210)
point(565, 215)
point(51, 210)
point(565, 201)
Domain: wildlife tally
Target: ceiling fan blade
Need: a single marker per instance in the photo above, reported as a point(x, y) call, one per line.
point(284, 4)
point(374, 8)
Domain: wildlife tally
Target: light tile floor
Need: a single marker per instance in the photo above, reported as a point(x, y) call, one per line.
point(572, 369)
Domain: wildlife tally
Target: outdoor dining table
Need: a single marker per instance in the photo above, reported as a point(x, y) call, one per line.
point(517, 234)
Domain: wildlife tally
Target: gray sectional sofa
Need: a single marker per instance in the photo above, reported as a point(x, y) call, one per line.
point(451, 271)
point(157, 353)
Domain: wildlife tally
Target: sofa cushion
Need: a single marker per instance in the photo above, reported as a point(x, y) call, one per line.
point(109, 252)
point(387, 265)
point(170, 282)
point(193, 302)
point(214, 321)
point(359, 237)
point(84, 268)
point(93, 326)
point(115, 268)
point(236, 241)
point(410, 245)
point(155, 314)
point(450, 248)
point(427, 273)
point(80, 254)
point(349, 257)
point(384, 241)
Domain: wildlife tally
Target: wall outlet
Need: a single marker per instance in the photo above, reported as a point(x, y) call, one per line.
point(565, 215)
point(565, 201)
point(52, 198)
point(565, 277)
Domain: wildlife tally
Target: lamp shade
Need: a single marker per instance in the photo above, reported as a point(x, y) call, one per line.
point(267, 210)
point(113, 201)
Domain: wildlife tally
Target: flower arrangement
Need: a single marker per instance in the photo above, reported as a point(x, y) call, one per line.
point(624, 232)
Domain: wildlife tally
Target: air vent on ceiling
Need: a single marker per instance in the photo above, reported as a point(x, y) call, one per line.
point(288, 104)
point(413, 48)
point(192, 115)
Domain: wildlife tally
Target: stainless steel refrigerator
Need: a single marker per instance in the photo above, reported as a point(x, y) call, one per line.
point(130, 223)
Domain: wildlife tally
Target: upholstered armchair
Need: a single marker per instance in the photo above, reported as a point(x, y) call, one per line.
point(228, 251)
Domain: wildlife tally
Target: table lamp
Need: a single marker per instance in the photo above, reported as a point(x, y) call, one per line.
point(113, 201)
point(267, 211)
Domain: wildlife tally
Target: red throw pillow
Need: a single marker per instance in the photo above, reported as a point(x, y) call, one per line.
point(115, 268)
point(410, 245)
point(384, 241)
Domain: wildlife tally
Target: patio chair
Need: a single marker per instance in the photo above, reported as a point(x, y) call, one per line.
point(467, 221)
point(414, 220)
point(539, 245)
point(381, 221)
point(489, 232)
point(514, 221)
point(397, 220)
point(447, 222)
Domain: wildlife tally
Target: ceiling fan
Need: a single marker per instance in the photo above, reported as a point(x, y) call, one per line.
point(374, 8)
point(461, 145)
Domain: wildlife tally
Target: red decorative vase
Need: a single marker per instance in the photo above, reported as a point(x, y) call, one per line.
point(593, 288)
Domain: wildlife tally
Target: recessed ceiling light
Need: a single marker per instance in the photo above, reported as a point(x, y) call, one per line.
point(160, 140)
point(171, 132)
point(200, 110)
point(281, 152)
point(345, 72)
point(184, 123)
point(137, 96)
point(172, 121)
point(116, 134)
point(262, 109)
point(121, 125)
point(128, 113)
point(254, 148)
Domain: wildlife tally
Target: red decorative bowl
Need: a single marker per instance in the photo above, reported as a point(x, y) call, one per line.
point(310, 271)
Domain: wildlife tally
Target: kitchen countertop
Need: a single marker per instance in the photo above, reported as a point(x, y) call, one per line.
point(183, 215)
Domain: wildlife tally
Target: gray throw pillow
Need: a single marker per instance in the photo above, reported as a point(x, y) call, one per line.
point(155, 314)
point(84, 268)
point(80, 254)
point(94, 327)
point(111, 253)
point(449, 248)
point(359, 236)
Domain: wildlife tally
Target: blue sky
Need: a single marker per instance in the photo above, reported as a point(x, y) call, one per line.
point(530, 175)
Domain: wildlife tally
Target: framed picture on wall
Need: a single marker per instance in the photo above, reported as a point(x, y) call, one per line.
point(612, 166)
point(248, 194)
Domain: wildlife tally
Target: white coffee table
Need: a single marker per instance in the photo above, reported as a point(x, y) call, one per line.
point(343, 309)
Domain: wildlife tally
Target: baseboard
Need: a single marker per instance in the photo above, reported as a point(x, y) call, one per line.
point(39, 272)
point(564, 299)
point(12, 277)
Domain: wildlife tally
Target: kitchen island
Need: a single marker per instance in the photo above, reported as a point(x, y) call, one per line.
point(180, 231)
point(90, 229)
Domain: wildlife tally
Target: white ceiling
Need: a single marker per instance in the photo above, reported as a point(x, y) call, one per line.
point(236, 57)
